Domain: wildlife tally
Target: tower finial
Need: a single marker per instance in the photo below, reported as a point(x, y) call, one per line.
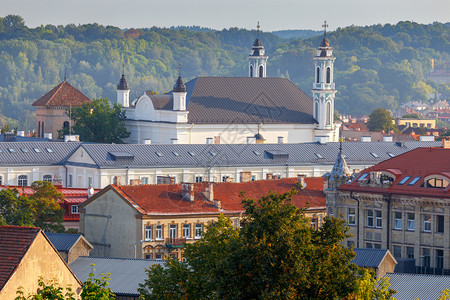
point(325, 25)
point(179, 70)
point(65, 73)
point(123, 68)
point(257, 28)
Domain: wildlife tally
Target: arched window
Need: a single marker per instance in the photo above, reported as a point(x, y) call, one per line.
point(328, 120)
point(66, 124)
point(328, 75)
point(47, 178)
point(39, 129)
point(251, 71)
point(22, 180)
point(316, 110)
point(318, 75)
point(261, 71)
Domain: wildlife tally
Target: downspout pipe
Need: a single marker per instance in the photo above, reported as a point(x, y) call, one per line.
point(357, 218)
point(388, 233)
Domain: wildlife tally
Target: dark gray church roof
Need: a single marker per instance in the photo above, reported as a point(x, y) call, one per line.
point(206, 155)
point(248, 100)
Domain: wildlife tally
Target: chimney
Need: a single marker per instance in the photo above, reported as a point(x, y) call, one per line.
point(117, 180)
point(209, 192)
point(269, 176)
point(301, 181)
point(217, 203)
point(245, 176)
point(187, 191)
point(356, 171)
point(446, 143)
point(134, 182)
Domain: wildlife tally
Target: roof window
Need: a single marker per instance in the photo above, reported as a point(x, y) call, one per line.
point(191, 153)
point(11, 150)
point(256, 152)
point(212, 153)
point(37, 150)
point(319, 155)
point(24, 150)
point(374, 154)
point(364, 176)
point(404, 180)
point(159, 154)
point(175, 153)
point(390, 154)
point(414, 180)
point(49, 150)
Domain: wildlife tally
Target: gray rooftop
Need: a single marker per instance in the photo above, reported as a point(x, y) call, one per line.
point(417, 286)
point(370, 258)
point(247, 100)
point(206, 155)
point(126, 274)
point(63, 242)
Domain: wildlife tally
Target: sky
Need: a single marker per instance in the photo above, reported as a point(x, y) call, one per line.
point(272, 14)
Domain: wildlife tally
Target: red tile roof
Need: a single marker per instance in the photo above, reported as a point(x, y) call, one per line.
point(420, 162)
point(14, 243)
point(64, 94)
point(167, 199)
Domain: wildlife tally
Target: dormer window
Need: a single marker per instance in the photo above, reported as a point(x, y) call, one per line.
point(404, 180)
point(437, 183)
point(414, 180)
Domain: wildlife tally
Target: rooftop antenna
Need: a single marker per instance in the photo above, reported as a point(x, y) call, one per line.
point(325, 25)
point(257, 28)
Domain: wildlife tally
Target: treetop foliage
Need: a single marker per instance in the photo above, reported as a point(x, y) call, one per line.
point(376, 66)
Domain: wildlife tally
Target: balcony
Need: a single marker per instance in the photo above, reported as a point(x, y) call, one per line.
point(175, 242)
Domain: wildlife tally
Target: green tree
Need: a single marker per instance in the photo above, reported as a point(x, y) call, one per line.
point(370, 288)
point(97, 288)
point(99, 122)
point(275, 254)
point(381, 120)
point(40, 209)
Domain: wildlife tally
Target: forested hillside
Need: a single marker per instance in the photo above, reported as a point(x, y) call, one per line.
point(375, 66)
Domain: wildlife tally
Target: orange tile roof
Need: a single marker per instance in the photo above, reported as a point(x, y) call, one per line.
point(14, 243)
point(64, 94)
point(420, 162)
point(167, 199)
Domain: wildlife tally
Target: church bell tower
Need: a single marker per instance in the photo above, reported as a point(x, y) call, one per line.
point(323, 87)
point(123, 91)
point(257, 60)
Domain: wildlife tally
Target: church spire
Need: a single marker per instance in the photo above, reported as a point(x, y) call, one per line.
point(340, 168)
point(257, 60)
point(123, 90)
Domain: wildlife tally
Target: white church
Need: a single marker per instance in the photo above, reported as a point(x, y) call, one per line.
point(236, 110)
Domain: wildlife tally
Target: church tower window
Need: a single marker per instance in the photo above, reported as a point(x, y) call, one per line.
point(251, 71)
point(328, 75)
point(318, 75)
point(316, 110)
point(328, 121)
point(261, 71)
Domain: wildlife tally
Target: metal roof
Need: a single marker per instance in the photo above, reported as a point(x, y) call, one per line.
point(63, 242)
point(247, 100)
point(126, 273)
point(35, 153)
point(370, 258)
point(417, 286)
point(215, 155)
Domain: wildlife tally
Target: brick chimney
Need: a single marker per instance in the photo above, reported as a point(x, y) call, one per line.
point(208, 192)
point(446, 143)
point(301, 180)
point(187, 191)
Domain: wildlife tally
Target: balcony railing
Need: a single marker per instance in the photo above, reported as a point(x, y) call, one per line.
point(175, 242)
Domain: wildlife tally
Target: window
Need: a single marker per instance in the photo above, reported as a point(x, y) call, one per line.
point(176, 153)
point(74, 209)
point(89, 181)
point(49, 150)
point(158, 256)
point(439, 222)
point(369, 245)
point(410, 252)
point(319, 155)
point(437, 183)
point(374, 154)
point(198, 230)
point(427, 223)
point(11, 150)
point(173, 231)
point(186, 231)
point(398, 220)
point(328, 75)
point(47, 178)
point(426, 257)
point(439, 259)
point(224, 178)
point(397, 251)
point(314, 223)
point(70, 181)
point(330, 211)
point(350, 244)
point(316, 110)
point(414, 180)
point(22, 180)
point(1, 180)
point(144, 180)
point(191, 153)
point(351, 216)
point(377, 246)
point(328, 120)
point(364, 176)
point(411, 222)
point(253, 177)
point(261, 71)
point(148, 233)
point(66, 124)
point(251, 71)
point(198, 179)
point(369, 218)
point(24, 150)
point(318, 75)
point(404, 180)
point(148, 256)
point(159, 232)
point(379, 219)
point(37, 150)
point(159, 154)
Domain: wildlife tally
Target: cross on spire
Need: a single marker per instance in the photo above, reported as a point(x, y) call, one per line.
point(123, 68)
point(257, 28)
point(65, 73)
point(179, 70)
point(325, 25)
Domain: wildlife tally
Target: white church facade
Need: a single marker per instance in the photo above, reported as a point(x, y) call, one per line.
point(236, 110)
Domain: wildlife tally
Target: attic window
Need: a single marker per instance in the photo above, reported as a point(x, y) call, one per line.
point(191, 153)
point(159, 154)
point(175, 153)
point(364, 176)
point(11, 150)
point(49, 150)
point(374, 154)
point(414, 180)
point(24, 150)
point(277, 154)
point(121, 156)
point(437, 183)
point(390, 154)
point(319, 155)
point(37, 150)
point(212, 153)
point(404, 180)
point(256, 152)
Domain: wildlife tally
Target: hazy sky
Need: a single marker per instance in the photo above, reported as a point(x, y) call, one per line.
point(272, 14)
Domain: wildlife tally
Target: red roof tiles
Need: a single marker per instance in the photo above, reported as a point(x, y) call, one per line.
point(14, 243)
point(167, 199)
point(64, 94)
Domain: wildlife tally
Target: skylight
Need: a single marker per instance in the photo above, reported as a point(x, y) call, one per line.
point(319, 155)
point(175, 153)
point(374, 154)
point(37, 150)
point(11, 150)
point(256, 152)
point(191, 153)
point(212, 153)
point(390, 154)
point(159, 154)
point(363, 177)
point(404, 180)
point(49, 150)
point(24, 150)
point(414, 180)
